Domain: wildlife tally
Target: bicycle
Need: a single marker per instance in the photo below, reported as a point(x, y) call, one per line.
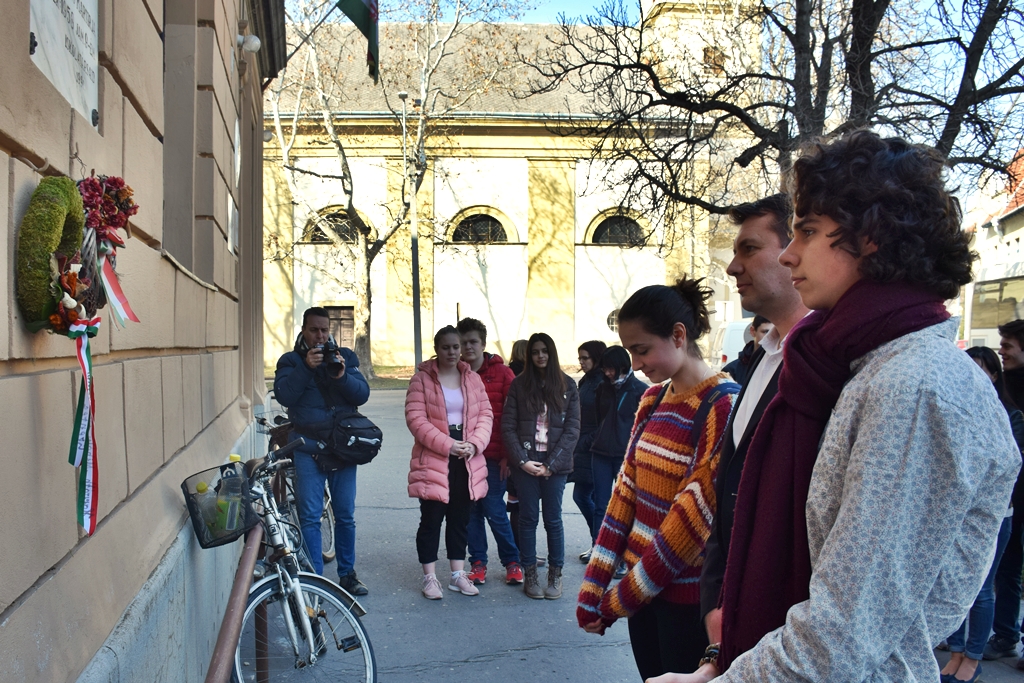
point(314, 632)
point(278, 429)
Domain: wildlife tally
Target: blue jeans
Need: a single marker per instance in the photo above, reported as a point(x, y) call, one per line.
point(583, 496)
point(535, 492)
point(309, 498)
point(1007, 620)
point(605, 471)
point(983, 611)
point(492, 508)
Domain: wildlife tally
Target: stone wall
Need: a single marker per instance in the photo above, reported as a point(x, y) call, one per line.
point(173, 392)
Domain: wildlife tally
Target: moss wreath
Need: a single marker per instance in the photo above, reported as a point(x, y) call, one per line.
point(53, 224)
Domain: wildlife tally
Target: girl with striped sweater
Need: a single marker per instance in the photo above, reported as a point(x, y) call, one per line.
point(663, 502)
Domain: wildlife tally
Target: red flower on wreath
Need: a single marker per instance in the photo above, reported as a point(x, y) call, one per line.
point(108, 206)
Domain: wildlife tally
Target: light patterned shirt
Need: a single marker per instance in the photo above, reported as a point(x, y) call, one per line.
point(912, 480)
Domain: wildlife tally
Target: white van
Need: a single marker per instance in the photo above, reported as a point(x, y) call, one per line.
point(729, 341)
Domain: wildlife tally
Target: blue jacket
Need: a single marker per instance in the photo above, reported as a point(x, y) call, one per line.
point(295, 388)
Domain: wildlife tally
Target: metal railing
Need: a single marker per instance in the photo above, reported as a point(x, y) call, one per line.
point(223, 659)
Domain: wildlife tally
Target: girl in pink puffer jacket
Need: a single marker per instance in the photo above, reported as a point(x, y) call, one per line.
point(447, 411)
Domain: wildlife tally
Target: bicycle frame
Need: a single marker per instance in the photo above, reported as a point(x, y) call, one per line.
point(286, 568)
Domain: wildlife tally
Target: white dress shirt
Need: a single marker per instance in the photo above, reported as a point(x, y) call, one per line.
point(758, 382)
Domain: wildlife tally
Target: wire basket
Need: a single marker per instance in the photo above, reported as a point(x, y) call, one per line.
point(222, 512)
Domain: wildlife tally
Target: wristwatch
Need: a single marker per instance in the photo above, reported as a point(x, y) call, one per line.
point(711, 654)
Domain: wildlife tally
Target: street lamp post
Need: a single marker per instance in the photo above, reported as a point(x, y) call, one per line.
point(414, 231)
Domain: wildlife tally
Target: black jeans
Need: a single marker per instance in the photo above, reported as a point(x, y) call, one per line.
point(455, 511)
point(667, 637)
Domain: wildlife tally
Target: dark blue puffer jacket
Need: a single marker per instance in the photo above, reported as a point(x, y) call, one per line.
point(296, 389)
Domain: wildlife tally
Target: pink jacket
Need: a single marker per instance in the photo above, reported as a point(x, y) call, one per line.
point(427, 418)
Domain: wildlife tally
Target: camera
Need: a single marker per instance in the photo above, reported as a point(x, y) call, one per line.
point(332, 356)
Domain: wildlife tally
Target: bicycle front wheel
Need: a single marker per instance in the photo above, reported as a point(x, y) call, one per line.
point(265, 650)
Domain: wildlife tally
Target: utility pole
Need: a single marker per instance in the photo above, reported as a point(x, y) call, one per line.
point(414, 230)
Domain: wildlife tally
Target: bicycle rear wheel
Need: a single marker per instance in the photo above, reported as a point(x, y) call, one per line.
point(328, 550)
point(265, 651)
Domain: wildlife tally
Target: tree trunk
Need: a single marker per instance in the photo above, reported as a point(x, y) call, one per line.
point(364, 297)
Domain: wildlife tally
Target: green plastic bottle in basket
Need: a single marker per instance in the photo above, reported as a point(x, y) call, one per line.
point(229, 497)
point(207, 502)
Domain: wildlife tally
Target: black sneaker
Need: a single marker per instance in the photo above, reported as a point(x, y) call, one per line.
point(998, 648)
point(352, 584)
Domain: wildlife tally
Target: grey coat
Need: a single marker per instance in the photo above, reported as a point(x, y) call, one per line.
point(911, 483)
point(519, 428)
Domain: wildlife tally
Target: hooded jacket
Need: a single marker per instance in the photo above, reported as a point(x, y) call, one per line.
point(519, 429)
point(497, 378)
point(427, 419)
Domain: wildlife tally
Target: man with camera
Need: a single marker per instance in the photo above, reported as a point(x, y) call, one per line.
point(314, 381)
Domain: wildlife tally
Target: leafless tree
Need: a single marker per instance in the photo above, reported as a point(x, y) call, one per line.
point(446, 54)
point(707, 111)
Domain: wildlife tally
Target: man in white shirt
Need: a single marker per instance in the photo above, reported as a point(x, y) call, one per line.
point(765, 287)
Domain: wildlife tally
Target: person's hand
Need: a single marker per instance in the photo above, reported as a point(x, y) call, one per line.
point(340, 373)
point(314, 357)
point(713, 625)
point(597, 627)
point(468, 450)
point(533, 468)
point(503, 470)
point(546, 472)
point(702, 675)
point(456, 450)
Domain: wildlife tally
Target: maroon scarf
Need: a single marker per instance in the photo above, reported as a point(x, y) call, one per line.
point(769, 565)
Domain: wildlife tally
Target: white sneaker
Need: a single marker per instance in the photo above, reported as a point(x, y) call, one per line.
point(432, 587)
point(460, 583)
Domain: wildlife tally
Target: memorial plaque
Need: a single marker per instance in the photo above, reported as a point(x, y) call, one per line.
point(63, 43)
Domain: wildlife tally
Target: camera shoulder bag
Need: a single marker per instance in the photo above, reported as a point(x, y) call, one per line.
point(349, 438)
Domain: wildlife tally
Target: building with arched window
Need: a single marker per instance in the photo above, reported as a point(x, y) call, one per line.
point(515, 226)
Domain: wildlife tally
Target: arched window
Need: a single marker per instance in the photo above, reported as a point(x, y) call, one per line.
point(479, 229)
point(619, 230)
point(335, 221)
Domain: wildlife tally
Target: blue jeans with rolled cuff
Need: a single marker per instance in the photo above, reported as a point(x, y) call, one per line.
point(536, 494)
point(492, 508)
point(309, 498)
point(982, 613)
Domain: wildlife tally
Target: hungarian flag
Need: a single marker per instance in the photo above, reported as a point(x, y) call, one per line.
point(363, 14)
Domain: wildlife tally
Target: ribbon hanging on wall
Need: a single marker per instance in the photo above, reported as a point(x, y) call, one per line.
point(83, 441)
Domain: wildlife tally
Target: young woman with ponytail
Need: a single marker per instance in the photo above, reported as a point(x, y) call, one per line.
point(663, 502)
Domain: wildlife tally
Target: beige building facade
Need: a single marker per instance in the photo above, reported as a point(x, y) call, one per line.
point(518, 223)
point(177, 112)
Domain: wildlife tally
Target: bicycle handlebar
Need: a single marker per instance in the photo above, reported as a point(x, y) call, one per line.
point(252, 467)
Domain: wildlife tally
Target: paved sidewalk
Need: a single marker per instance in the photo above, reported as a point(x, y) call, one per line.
point(499, 636)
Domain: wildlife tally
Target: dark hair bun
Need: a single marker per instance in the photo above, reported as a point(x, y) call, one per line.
point(697, 295)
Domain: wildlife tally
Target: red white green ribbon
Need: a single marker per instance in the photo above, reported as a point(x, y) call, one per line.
point(83, 440)
point(119, 305)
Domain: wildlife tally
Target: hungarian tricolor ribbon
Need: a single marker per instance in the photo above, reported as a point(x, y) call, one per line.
point(119, 305)
point(83, 441)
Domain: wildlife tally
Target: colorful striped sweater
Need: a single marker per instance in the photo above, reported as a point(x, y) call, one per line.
point(660, 513)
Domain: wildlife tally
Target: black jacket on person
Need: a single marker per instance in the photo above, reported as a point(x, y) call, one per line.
point(519, 429)
point(730, 467)
point(741, 368)
point(581, 470)
point(617, 408)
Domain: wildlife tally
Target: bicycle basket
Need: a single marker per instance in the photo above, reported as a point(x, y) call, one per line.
point(223, 511)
